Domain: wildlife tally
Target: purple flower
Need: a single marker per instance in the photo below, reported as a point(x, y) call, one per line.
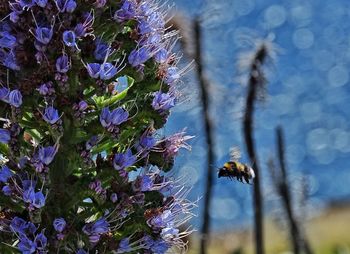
point(175, 142)
point(172, 75)
point(59, 224)
point(145, 183)
point(66, 5)
point(51, 115)
point(139, 56)
point(35, 199)
point(169, 233)
point(26, 3)
point(5, 136)
point(123, 160)
point(95, 229)
point(94, 69)
point(47, 154)
point(69, 38)
point(163, 101)
point(162, 220)
point(160, 247)
point(147, 142)
point(127, 11)
point(7, 40)
point(81, 251)
point(100, 50)
point(105, 117)
point(8, 59)
point(161, 56)
point(7, 190)
point(26, 245)
point(43, 34)
point(119, 115)
point(41, 3)
point(108, 71)
point(5, 174)
point(15, 98)
point(63, 64)
point(124, 246)
point(4, 94)
point(82, 105)
point(46, 89)
point(40, 241)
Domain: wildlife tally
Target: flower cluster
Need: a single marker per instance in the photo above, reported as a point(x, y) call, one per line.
point(84, 87)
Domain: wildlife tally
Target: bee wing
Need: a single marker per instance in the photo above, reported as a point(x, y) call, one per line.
point(235, 153)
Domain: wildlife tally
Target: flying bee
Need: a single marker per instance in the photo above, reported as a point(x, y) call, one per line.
point(234, 169)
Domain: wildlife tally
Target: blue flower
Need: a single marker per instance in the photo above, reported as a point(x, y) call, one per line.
point(66, 5)
point(95, 229)
point(7, 190)
point(8, 59)
point(119, 115)
point(15, 98)
point(100, 50)
point(127, 11)
point(63, 64)
point(47, 154)
point(4, 94)
point(161, 56)
point(35, 199)
point(162, 220)
point(20, 226)
point(105, 117)
point(69, 38)
point(124, 246)
point(41, 3)
point(169, 233)
point(123, 160)
point(81, 251)
point(108, 71)
point(147, 142)
point(160, 247)
point(139, 56)
point(172, 75)
point(51, 115)
point(143, 183)
point(94, 69)
point(5, 174)
point(163, 101)
point(43, 34)
point(7, 40)
point(5, 136)
point(26, 3)
point(26, 246)
point(59, 224)
point(40, 241)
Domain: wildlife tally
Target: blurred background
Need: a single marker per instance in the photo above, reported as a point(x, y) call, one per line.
point(307, 94)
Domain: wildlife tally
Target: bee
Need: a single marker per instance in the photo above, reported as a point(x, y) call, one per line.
point(234, 169)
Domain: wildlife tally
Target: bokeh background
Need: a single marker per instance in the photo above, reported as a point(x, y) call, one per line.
point(307, 94)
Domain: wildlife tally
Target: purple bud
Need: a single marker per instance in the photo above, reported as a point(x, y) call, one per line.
point(43, 34)
point(15, 98)
point(80, 30)
point(51, 115)
point(63, 64)
point(59, 224)
point(114, 197)
point(69, 38)
point(5, 136)
point(83, 105)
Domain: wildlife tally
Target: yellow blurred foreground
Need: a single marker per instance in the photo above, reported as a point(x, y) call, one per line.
point(328, 233)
